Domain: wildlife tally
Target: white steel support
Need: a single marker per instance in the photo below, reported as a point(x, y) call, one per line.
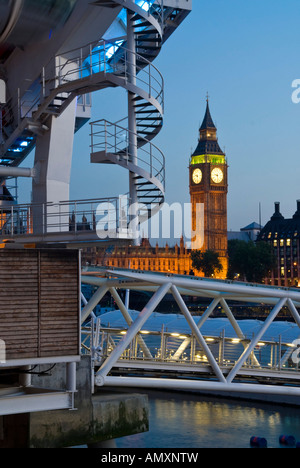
point(17, 172)
point(198, 334)
point(25, 377)
point(296, 317)
point(201, 385)
point(247, 364)
point(131, 333)
point(255, 340)
point(231, 319)
point(71, 377)
point(132, 129)
point(53, 157)
point(235, 325)
point(129, 321)
point(208, 312)
point(35, 400)
point(93, 302)
point(293, 311)
point(203, 319)
point(253, 292)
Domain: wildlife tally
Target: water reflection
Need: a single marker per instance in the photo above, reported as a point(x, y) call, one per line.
point(191, 421)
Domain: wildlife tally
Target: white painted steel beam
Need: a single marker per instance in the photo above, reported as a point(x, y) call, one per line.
point(232, 320)
point(38, 361)
point(7, 171)
point(93, 302)
point(230, 287)
point(36, 400)
point(146, 285)
point(131, 333)
point(198, 334)
point(203, 319)
point(255, 340)
point(294, 311)
point(129, 321)
point(200, 385)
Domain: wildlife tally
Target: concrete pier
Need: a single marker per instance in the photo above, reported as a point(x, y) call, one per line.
point(97, 420)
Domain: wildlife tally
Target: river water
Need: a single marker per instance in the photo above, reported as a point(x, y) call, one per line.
point(180, 420)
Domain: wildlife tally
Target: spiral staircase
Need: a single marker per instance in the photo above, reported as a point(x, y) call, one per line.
point(97, 66)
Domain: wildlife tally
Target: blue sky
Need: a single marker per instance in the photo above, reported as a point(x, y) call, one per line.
point(245, 55)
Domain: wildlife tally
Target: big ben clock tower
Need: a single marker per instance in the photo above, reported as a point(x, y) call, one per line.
point(208, 190)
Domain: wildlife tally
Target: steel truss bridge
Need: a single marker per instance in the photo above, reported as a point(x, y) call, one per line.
point(136, 356)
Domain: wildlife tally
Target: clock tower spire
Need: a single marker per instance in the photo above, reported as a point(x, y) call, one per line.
point(208, 190)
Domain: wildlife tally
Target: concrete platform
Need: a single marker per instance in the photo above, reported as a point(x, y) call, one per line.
point(97, 418)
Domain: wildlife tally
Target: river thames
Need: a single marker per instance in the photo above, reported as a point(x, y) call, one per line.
point(180, 420)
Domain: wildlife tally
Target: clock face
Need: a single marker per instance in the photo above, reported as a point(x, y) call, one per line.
point(217, 175)
point(197, 176)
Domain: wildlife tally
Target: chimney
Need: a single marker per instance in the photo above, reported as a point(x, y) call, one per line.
point(277, 213)
point(297, 214)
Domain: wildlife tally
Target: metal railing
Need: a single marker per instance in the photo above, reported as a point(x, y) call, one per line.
point(94, 58)
point(112, 138)
point(69, 216)
point(268, 355)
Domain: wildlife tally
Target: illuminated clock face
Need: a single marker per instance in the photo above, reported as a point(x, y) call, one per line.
point(197, 176)
point(217, 175)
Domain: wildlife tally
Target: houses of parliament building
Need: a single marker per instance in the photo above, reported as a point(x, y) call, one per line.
point(208, 184)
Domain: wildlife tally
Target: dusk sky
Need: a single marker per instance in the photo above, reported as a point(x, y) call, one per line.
point(245, 55)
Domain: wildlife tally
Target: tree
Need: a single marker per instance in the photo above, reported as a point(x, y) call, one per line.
point(252, 262)
point(208, 262)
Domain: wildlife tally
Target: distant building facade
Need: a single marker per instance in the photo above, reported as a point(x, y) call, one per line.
point(284, 236)
point(175, 260)
point(247, 234)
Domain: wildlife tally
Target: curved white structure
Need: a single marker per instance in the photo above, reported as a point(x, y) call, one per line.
point(43, 103)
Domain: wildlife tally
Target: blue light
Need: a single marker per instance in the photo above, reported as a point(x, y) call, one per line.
point(145, 5)
point(113, 49)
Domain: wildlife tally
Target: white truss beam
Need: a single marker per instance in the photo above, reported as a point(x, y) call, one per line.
point(129, 321)
point(255, 340)
point(93, 302)
point(197, 334)
point(218, 370)
point(204, 386)
point(131, 333)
